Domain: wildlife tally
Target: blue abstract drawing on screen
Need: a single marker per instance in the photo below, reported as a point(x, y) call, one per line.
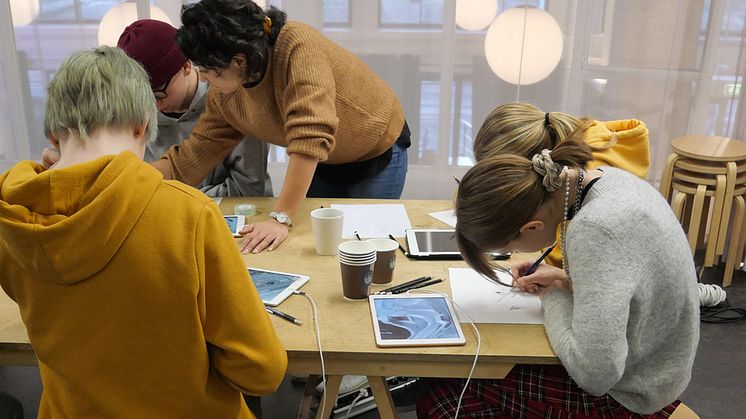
point(232, 223)
point(270, 284)
point(415, 318)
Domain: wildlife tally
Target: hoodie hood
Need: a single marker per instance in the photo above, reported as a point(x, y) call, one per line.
point(65, 225)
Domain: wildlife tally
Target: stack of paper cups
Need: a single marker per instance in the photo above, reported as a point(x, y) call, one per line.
point(356, 260)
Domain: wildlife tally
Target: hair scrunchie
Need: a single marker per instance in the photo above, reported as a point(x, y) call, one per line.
point(548, 169)
point(267, 25)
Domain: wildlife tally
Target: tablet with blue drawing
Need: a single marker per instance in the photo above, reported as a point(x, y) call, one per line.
point(414, 320)
point(274, 287)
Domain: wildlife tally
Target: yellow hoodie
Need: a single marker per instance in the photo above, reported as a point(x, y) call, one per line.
point(134, 295)
point(631, 153)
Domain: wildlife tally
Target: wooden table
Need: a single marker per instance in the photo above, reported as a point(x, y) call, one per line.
point(346, 327)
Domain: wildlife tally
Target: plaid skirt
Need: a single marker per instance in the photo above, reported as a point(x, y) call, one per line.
point(528, 391)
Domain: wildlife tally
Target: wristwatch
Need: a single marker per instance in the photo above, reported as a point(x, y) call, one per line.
point(281, 217)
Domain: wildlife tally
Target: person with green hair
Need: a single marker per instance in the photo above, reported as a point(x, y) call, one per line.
point(135, 298)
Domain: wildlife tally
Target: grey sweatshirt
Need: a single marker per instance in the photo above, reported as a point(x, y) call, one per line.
point(630, 326)
point(242, 173)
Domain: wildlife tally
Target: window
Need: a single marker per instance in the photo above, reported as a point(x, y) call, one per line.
point(427, 13)
point(336, 13)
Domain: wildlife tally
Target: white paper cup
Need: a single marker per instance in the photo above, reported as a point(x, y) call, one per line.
point(326, 224)
point(356, 248)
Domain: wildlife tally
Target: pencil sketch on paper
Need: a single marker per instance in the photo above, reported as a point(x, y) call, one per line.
point(487, 302)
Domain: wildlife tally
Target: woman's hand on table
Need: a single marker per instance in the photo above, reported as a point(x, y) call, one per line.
point(263, 235)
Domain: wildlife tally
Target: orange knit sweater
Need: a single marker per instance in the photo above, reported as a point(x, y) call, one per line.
point(316, 99)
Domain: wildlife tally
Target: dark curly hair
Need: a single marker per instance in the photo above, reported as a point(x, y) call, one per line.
point(214, 31)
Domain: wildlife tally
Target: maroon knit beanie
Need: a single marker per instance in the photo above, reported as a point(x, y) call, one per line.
point(153, 44)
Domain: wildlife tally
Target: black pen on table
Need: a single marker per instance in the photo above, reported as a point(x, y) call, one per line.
point(391, 290)
point(398, 244)
point(285, 316)
point(358, 236)
point(415, 286)
point(540, 259)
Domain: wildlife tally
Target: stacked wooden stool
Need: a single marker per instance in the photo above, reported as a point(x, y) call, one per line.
point(704, 180)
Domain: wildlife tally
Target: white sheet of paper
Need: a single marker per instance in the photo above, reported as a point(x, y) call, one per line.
point(217, 199)
point(374, 220)
point(487, 302)
point(448, 217)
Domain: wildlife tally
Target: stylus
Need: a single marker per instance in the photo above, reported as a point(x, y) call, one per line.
point(540, 259)
point(391, 290)
point(285, 316)
point(415, 286)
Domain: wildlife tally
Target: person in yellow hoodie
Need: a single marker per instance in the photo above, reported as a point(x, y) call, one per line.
point(523, 129)
point(135, 297)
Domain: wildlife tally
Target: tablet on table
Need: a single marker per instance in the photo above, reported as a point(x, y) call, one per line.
point(414, 320)
point(274, 287)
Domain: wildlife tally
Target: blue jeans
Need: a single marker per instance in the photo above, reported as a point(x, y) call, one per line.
point(388, 184)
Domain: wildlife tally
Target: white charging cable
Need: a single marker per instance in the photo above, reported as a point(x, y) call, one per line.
point(479, 344)
point(362, 393)
point(318, 342)
point(710, 295)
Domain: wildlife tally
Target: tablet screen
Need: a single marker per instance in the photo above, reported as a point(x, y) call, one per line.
point(272, 285)
point(433, 241)
point(414, 320)
point(232, 221)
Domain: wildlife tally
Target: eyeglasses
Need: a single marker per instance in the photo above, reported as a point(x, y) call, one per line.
point(161, 93)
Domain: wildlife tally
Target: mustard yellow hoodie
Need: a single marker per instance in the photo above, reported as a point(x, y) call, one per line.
point(135, 297)
point(631, 152)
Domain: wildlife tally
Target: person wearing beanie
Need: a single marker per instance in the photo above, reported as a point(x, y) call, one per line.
point(287, 84)
point(180, 98)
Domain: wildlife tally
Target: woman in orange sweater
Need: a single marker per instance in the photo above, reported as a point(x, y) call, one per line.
point(287, 84)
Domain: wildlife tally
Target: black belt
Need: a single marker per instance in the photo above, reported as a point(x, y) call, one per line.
point(352, 173)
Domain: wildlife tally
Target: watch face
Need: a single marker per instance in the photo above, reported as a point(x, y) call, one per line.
point(283, 218)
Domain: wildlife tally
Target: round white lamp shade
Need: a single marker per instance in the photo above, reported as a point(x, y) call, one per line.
point(541, 47)
point(119, 17)
point(475, 15)
point(23, 12)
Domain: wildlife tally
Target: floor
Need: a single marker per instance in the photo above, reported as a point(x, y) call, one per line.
point(716, 391)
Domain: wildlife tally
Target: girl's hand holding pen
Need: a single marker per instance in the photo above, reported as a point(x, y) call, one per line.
point(543, 277)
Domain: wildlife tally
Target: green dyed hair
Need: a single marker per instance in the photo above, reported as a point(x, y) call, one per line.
point(99, 88)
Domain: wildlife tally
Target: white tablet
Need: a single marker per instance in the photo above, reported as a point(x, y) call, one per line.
point(414, 320)
point(235, 223)
point(274, 287)
point(437, 244)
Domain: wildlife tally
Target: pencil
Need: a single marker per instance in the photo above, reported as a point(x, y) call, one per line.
point(404, 285)
point(420, 285)
point(398, 244)
point(540, 259)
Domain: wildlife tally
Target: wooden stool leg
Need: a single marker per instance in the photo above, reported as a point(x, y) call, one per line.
point(735, 240)
point(717, 214)
point(727, 203)
point(742, 241)
point(330, 395)
point(665, 187)
point(702, 235)
point(678, 204)
point(696, 217)
point(383, 398)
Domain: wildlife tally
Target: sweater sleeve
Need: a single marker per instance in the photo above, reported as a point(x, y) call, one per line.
point(244, 348)
point(308, 99)
point(587, 327)
point(211, 140)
